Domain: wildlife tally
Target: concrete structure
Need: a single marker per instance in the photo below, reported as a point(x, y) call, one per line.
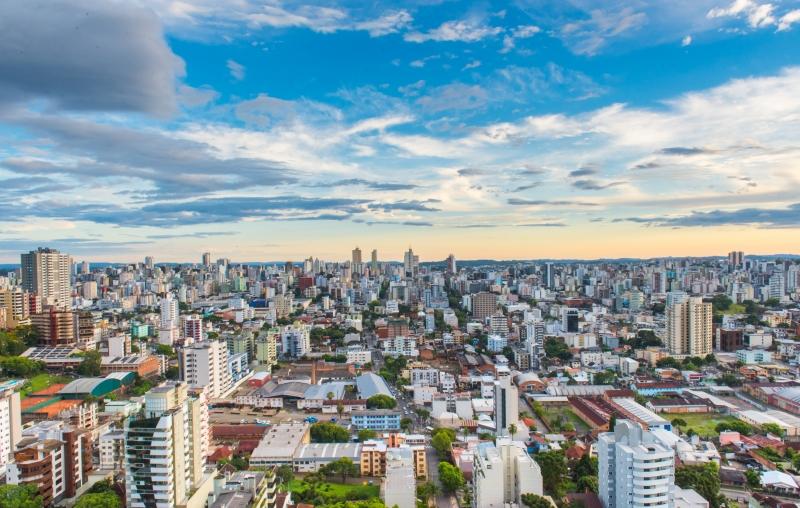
point(635, 469)
point(296, 340)
point(205, 365)
point(689, 327)
point(166, 448)
point(400, 486)
point(502, 473)
point(10, 421)
point(46, 272)
point(376, 419)
point(279, 444)
point(506, 401)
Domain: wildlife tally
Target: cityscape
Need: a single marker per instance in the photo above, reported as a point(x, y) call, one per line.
point(399, 254)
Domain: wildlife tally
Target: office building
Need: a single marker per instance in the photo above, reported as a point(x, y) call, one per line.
point(204, 365)
point(569, 319)
point(635, 469)
point(484, 304)
point(47, 272)
point(736, 259)
point(374, 262)
point(376, 419)
point(503, 473)
point(166, 448)
point(206, 259)
point(410, 263)
point(689, 327)
point(356, 261)
point(506, 401)
point(451, 264)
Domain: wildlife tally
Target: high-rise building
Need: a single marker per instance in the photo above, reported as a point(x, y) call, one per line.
point(374, 262)
point(736, 259)
point(635, 469)
point(689, 327)
point(533, 334)
point(777, 285)
point(168, 328)
point(451, 264)
point(204, 365)
point(206, 259)
point(549, 276)
point(166, 447)
point(356, 260)
point(569, 319)
point(149, 262)
point(295, 340)
point(10, 421)
point(484, 304)
point(55, 327)
point(503, 473)
point(410, 263)
point(506, 401)
point(193, 328)
point(46, 272)
point(267, 347)
point(16, 304)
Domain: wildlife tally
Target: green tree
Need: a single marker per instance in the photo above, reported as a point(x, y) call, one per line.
point(285, 474)
point(773, 428)
point(405, 423)
point(534, 501)
point(366, 434)
point(442, 440)
point(20, 496)
point(90, 365)
point(450, 477)
point(427, 491)
point(753, 478)
point(19, 366)
point(166, 350)
point(587, 483)
point(704, 479)
point(327, 432)
point(678, 423)
point(381, 401)
point(101, 500)
point(584, 466)
point(554, 471)
point(736, 426)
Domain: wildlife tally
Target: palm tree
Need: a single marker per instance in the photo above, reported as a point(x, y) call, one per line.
point(340, 409)
point(331, 395)
point(512, 429)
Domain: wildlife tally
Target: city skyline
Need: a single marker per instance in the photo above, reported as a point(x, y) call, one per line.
point(500, 130)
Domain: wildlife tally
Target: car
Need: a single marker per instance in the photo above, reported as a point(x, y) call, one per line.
point(311, 419)
point(333, 420)
point(243, 420)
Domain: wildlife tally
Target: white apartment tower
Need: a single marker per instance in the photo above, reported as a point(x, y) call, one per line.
point(193, 328)
point(46, 272)
point(168, 328)
point(295, 340)
point(204, 365)
point(503, 472)
point(166, 449)
point(506, 401)
point(635, 469)
point(689, 327)
point(10, 422)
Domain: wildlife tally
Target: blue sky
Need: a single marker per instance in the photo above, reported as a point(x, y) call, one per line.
point(275, 130)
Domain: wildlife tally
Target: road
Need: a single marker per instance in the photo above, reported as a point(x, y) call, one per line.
point(525, 406)
point(442, 500)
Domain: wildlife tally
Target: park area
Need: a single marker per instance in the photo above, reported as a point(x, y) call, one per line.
point(563, 419)
point(330, 492)
point(42, 381)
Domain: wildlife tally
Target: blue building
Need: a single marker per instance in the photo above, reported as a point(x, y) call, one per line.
point(378, 419)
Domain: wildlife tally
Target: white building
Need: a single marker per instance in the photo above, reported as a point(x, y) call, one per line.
point(400, 346)
point(165, 451)
point(296, 340)
point(10, 421)
point(506, 401)
point(502, 473)
point(205, 365)
point(400, 485)
point(635, 469)
point(168, 327)
point(496, 343)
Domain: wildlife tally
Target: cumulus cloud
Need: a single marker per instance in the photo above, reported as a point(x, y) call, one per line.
point(51, 51)
point(455, 31)
point(758, 15)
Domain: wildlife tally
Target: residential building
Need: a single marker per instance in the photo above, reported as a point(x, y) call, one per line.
point(55, 326)
point(205, 365)
point(166, 447)
point(16, 305)
point(689, 327)
point(254, 489)
point(46, 272)
point(503, 472)
point(296, 340)
point(635, 469)
point(193, 328)
point(400, 486)
point(10, 421)
point(484, 304)
point(506, 401)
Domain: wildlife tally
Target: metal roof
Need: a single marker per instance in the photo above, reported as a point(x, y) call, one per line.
point(370, 384)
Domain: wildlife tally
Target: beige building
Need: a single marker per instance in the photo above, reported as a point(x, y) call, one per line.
point(46, 272)
point(483, 305)
point(373, 456)
point(14, 303)
point(689, 327)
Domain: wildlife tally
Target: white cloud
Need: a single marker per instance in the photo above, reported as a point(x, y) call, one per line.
point(472, 65)
point(236, 69)
point(758, 15)
point(456, 30)
point(788, 19)
point(686, 41)
point(520, 32)
point(389, 23)
point(588, 36)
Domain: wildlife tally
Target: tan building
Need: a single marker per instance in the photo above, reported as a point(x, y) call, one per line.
point(56, 327)
point(689, 327)
point(483, 305)
point(373, 456)
point(14, 304)
point(46, 272)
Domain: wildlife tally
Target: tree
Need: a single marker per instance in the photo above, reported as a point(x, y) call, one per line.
point(512, 429)
point(285, 474)
point(366, 434)
point(773, 428)
point(340, 409)
point(426, 491)
point(668, 362)
point(702, 478)
point(678, 423)
point(554, 469)
point(584, 466)
point(736, 426)
point(381, 401)
point(753, 479)
point(534, 501)
point(450, 477)
point(101, 500)
point(20, 496)
point(606, 377)
point(327, 432)
point(406, 423)
point(166, 350)
point(19, 366)
point(441, 440)
point(90, 365)
point(587, 483)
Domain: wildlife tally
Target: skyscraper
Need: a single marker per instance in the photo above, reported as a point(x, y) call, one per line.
point(410, 263)
point(46, 272)
point(736, 259)
point(506, 401)
point(451, 264)
point(689, 327)
point(10, 421)
point(166, 448)
point(205, 365)
point(207, 259)
point(356, 261)
point(374, 263)
point(484, 304)
point(168, 329)
point(635, 469)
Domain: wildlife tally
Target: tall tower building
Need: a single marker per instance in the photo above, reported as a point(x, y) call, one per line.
point(451, 264)
point(410, 263)
point(16, 304)
point(689, 327)
point(356, 261)
point(166, 448)
point(635, 469)
point(736, 259)
point(149, 262)
point(206, 259)
point(168, 328)
point(484, 304)
point(10, 421)
point(506, 401)
point(374, 262)
point(46, 272)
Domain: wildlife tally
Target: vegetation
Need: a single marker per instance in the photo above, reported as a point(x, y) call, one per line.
point(285, 474)
point(381, 402)
point(392, 368)
point(606, 377)
point(441, 441)
point(534, 501)
point(18, 366)
point(90, 365)
point(554, 471)
point(366, 434)
point(166, 350)
point(773, 428)
point(702, 478)
point(15, 342)
point(20, 496)
point(327, 432)
point(450, 477)
point(100, 500)
point(555, 348)
point(753, 478)
point(322, 494)
point(702, 424)
point(344, 468)
point(739, 426)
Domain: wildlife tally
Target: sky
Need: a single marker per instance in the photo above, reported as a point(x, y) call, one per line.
point(276, 130)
